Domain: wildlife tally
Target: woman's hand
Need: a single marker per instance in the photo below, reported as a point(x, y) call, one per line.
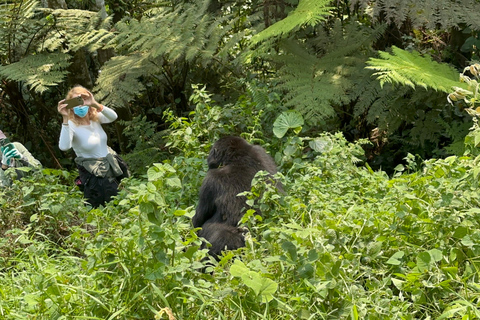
point(89, 100)
point(62, 109)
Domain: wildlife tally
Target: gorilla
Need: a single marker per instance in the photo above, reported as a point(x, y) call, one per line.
point(222, 237)
point(232, 164)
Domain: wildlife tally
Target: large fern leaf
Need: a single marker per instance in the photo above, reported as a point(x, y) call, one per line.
point(412, 69)
point(308, 12)
point(39, 71)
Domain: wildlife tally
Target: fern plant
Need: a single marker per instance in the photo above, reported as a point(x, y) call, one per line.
point(438, 14)
point(318, 76)
point(37, 43)
point(162, 46)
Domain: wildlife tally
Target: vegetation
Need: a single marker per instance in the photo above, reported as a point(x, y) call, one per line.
point(345, 242)
point(360, 102)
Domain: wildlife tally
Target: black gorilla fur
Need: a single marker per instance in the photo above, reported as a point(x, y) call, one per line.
point(232, 163)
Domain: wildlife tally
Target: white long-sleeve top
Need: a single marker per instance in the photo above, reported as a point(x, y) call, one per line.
point(88, 141)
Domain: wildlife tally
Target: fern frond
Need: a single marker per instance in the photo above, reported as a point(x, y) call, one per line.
point(39, 71)
point(308, 12)
point(35, 41)
point(120, 79)
point(438, 14)
point(411, 69)
point(16, 25)
point(76, 29)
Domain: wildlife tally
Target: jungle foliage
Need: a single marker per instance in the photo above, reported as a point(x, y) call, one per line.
point(344, 242)
point(369, 108)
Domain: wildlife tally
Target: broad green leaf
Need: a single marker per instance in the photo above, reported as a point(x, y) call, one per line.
point(154, 173)
point(263, 287)
point(238, 268)
point(146, 207)
point(467, 241)
point(436, 255)
point(151, 187)
point(306, 271)
point(460, 232)
point(423, 261)
point(291, 249)
point(174, 182)
point(287, 120)
point(398, 283)
point(322, 145)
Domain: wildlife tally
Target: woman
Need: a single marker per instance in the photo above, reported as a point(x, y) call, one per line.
point(82, 131)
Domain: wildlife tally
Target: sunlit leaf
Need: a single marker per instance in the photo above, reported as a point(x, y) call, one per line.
point(287, 120)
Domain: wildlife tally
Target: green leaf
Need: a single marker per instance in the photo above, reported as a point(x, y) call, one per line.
point(395, 259)
point(287, 120)
point(436, 255)
point(146, 207)
point(323, 144)
point(174, 182)
point(291, 249)
point(468, 242)
point(263, 287)
point(154, 173)
point(477, 140)
point(398, 283)
point(238, 268)
point(460, 232)
point(354, 313)
point(423, 261)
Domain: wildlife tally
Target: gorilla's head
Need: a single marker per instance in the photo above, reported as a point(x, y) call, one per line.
point(228, 150)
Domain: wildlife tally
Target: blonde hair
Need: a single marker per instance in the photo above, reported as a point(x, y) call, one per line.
point(75, 92)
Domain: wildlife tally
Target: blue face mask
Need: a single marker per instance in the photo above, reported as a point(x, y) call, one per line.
point(81, 111)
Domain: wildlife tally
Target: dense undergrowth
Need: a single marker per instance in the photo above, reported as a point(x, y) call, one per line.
point(344, 242)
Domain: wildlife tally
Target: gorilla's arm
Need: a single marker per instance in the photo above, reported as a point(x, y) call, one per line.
point(206, 203)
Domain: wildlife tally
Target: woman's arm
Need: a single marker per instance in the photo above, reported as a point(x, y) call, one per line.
point(107, 115)
point(66, 137)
